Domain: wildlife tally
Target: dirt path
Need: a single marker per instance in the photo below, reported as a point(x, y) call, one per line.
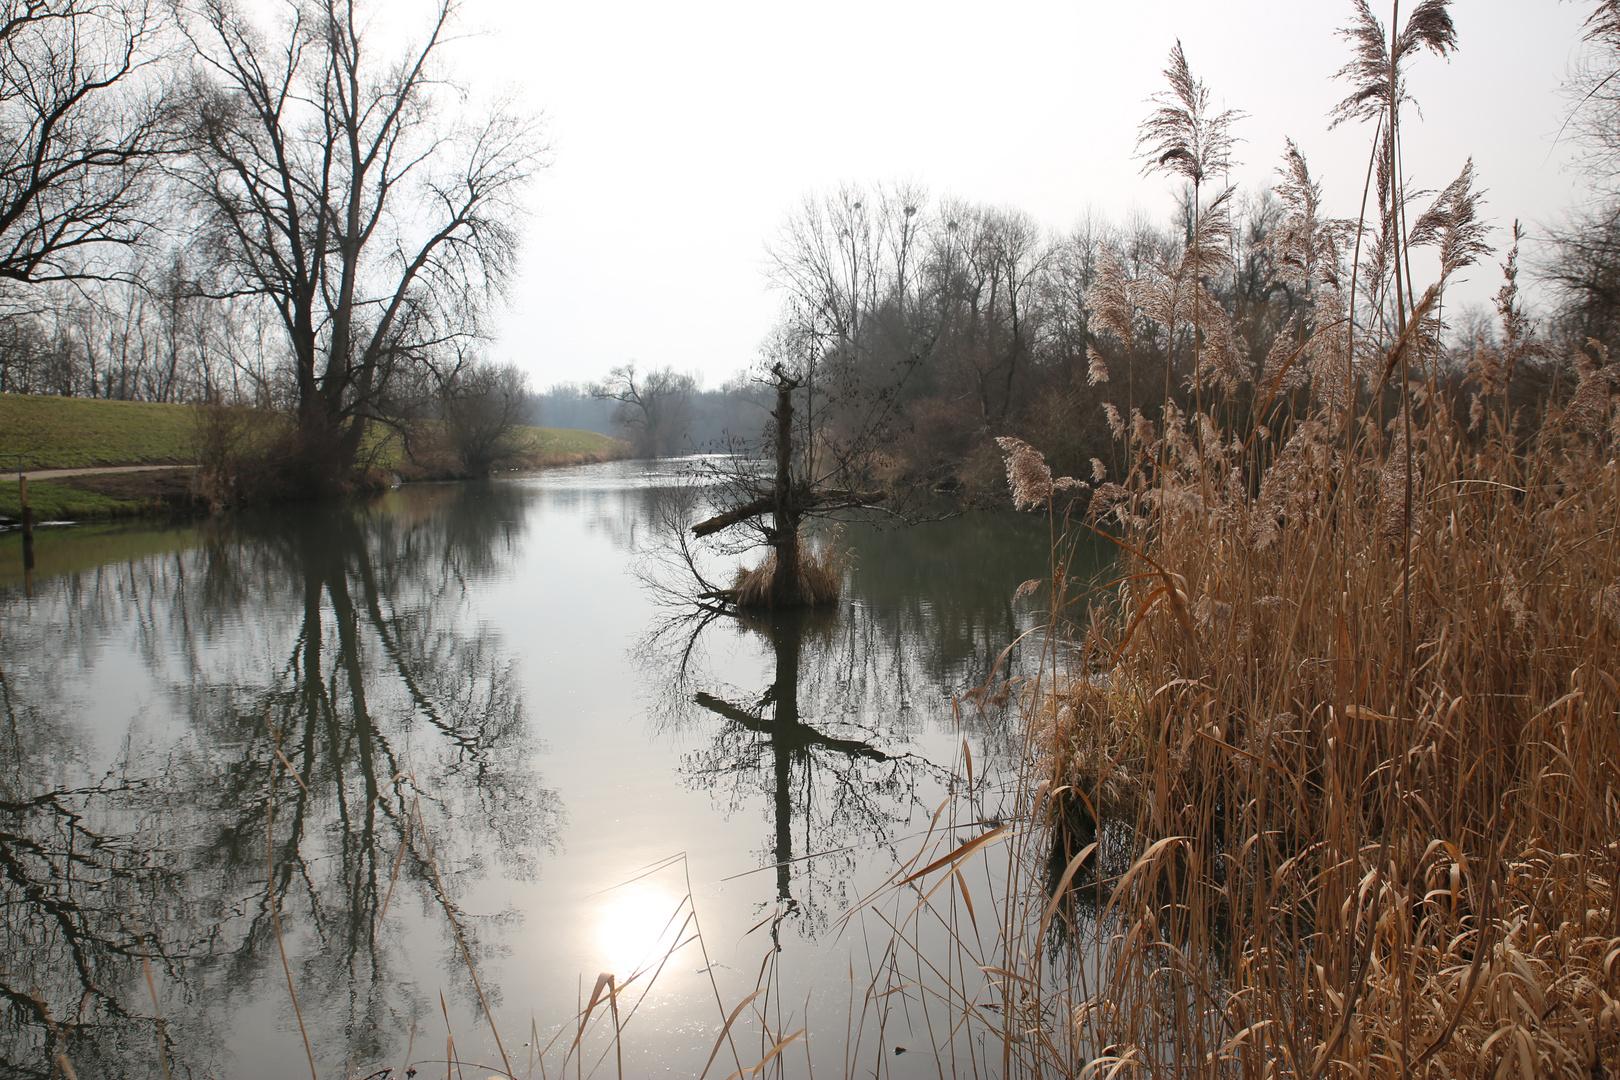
point(52, 474)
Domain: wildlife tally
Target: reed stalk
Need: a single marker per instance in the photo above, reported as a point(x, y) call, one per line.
point(1327, 785)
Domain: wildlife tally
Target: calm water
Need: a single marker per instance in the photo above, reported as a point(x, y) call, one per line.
point(460, 706)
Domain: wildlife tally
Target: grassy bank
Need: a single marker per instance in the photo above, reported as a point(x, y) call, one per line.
point(562, 446)
point(146, 493)
point(71, 433)
point(55, 501)
point(528, 448)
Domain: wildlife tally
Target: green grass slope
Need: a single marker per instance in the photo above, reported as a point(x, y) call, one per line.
point(68, 433)
point(531, 448)
point(58, 502)
point(566, 443)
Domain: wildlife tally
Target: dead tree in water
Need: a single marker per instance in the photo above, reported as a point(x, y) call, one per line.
point(788, 500)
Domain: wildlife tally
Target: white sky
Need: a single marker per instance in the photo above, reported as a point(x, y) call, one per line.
point(682, 133)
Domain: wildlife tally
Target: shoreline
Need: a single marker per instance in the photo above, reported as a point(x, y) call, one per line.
point(161, 491)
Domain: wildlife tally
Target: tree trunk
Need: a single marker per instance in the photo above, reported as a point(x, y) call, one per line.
point(787, 638)
point(787, 588)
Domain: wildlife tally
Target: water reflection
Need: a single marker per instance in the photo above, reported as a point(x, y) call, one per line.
point(860, 719)
point(333, 645)
point(820, 770)
point(391, 666)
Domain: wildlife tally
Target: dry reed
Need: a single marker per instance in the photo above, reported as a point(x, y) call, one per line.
point(1330, 786)
point(1356, 856)
point(821, 575)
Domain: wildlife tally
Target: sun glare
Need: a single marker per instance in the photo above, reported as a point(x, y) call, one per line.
point(635, 924)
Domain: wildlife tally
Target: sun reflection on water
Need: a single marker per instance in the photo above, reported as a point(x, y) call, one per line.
point(636, 925)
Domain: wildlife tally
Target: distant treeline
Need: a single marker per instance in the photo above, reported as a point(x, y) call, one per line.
point(929, 329)
point(688, 418)
point(926, 330)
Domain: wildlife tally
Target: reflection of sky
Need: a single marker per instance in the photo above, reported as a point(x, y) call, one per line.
point(569, 606)
point(552, 584)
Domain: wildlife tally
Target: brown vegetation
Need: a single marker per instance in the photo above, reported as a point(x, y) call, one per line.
point(1373, 793)
point(820, 580)
point(247, 456)
point(1329, 785)
point(170, 487)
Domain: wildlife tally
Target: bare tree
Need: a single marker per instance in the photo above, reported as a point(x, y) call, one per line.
point(1594, 95)
point(986, 264)
point(789, 578)
point(846, 264)
point(1582, 259)
point(329, 183)
point(83, 118)
point(654, 407)
point(1584, 265)
point(481, 404)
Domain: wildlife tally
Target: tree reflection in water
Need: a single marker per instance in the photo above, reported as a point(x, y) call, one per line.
point(857, 728)
point(830, 741)
point(846, 791)
point(338, 638)
point(349, 641)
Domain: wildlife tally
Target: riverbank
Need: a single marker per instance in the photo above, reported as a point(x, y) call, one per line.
point(49, 434)
point(103, 496)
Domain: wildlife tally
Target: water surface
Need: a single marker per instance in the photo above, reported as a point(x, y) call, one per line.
point(445, 750)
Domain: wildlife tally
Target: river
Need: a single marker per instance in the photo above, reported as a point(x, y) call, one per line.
point(429, 763)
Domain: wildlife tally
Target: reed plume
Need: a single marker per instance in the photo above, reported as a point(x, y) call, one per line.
point(1327, 786)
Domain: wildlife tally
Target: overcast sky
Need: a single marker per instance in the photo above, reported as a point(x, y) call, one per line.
point(682, 134)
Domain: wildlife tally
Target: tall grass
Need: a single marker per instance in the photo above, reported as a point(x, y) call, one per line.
point(821, 574)
point(1330, 786)
point(1373, 768)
